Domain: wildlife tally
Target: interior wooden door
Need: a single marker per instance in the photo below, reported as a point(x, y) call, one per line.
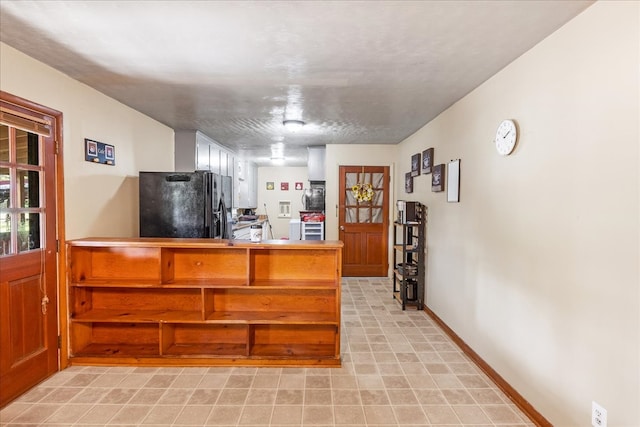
point(364, 224)
point(28, 263)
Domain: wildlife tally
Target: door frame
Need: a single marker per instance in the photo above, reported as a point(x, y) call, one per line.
point(61, 261)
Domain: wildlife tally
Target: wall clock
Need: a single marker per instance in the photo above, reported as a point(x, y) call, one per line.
point(506, 137)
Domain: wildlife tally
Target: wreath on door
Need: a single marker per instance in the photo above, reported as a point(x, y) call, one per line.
point(362, 192)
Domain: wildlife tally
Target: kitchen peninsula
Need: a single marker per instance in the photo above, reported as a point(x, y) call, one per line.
point(206, 302)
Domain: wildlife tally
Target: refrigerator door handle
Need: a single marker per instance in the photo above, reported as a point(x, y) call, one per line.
point(177, 178)
point(207, 206)
point(222, 212)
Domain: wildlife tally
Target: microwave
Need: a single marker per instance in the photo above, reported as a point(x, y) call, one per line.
point(409, 211)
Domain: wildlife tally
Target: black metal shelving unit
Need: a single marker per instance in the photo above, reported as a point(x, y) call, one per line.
point(409, 261)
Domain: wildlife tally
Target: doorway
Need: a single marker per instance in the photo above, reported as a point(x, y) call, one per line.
point(363, 220)
point(30, 229)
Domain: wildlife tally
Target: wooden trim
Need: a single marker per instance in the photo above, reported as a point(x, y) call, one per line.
point(536, 417)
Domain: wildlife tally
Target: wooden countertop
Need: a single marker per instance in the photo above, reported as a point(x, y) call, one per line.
point(202, 243)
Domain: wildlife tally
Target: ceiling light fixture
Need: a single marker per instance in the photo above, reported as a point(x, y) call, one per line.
point(293, 125)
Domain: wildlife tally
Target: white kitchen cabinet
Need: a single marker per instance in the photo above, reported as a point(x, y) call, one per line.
point(312, 230)
point(194, 150)
point(246, 184)
point(316, 163)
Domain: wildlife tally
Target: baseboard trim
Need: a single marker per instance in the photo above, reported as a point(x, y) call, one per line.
point(535, 416)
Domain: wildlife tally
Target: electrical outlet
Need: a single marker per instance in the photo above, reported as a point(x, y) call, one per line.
point(598, 415)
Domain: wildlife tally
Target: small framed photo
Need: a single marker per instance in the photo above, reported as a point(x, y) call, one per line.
point(91, 148)
point(270, 185)
point(437, 178)
point(427, 160)
point(109, 152)
point(284, 186)
point(298, 186)
point(415, 164)
point(408, 182)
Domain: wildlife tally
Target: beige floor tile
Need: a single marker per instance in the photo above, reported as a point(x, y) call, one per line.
point(430, 397)
point(379, 415)
point(193, 415)
point(402, 397)
point(224, 415)
point(289, 397)
point(317, 415)
point(501, 414)
point(410, 415)
point(239, 381)
point(344, 382)
point(233, 396)
point(374, 397)
point(261, 396)
point(147, 396)
point(458, 396)
point(440, 414)
point(69, 414)
point(100, 414)
point(131, 414)
point(162, 414)
point(317, 397)
point(348, 415)
point(471, 414)
point(213, 380)
point(345, 397)
point(256, 415)
point(204, 396)
point(291, 381)
point(266, 381)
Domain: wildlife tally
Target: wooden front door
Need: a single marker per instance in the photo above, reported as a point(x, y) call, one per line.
point(364, 224)
point(28, 261)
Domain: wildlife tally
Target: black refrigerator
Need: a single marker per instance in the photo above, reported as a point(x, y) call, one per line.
point(177, 204)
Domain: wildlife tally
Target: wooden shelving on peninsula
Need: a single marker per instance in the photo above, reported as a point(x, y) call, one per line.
point(151, 301)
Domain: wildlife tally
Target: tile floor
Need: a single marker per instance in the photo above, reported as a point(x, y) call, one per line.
point(399, 369)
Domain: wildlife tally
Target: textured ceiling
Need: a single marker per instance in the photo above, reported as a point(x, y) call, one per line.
point(356, 72)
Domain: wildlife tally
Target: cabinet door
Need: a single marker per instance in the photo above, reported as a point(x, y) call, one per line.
point(202, 156)
point(223, 163)
point(214, 158)
point(252, 180)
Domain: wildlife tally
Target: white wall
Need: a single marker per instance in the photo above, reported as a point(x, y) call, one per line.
point(277, 175)
point(537, 267)
point(100, 200)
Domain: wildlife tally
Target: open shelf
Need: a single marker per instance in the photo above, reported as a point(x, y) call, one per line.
point(203, 340)
point(108, 263)
point(115, 339)
point(293, 341)
point(409, 251)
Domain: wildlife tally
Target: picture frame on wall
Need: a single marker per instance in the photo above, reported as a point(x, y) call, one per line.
point(437, 178)
point(427, 160)
point(270, 185)
point(415, 164)
point(453, 181)
point(284, 186)
point(408, 182)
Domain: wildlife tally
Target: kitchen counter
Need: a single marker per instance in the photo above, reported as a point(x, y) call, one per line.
point(203, 302)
